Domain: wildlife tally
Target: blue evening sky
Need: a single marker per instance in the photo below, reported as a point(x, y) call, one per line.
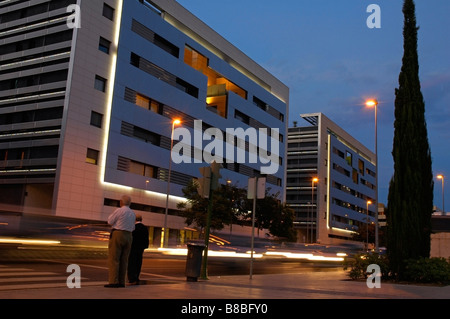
point(332, 62)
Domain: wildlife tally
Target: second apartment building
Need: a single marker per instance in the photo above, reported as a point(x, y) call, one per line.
point(331, 182)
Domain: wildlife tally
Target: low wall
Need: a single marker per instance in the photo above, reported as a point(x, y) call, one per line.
point(440, 245)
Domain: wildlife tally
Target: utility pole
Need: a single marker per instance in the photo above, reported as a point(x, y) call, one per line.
point(206, 187)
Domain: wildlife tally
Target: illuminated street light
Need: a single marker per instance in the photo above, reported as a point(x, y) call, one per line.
point(374, 103)
point(443, 204)
point(164, 240)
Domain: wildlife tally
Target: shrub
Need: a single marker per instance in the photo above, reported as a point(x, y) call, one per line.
point(427, 270)
point(358, 265)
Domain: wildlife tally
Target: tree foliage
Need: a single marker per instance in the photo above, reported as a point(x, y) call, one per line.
point(231, 206)
point(410, 199)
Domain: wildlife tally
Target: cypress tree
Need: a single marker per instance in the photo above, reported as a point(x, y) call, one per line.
point(410, 199)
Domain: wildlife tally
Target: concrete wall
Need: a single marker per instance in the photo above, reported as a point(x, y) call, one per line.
point(440, 245)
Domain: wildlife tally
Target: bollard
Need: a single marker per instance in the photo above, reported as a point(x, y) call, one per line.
point(194, 261)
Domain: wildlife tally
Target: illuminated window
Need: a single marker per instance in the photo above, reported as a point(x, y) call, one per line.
point(361, 166)
point(355, 176)
point(218, 86)
point(142, 101)
point(92, 156)
point(155, 107)
point(142, 169)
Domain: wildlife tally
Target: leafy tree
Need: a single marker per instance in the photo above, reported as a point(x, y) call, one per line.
point(195, 209)
point(231, 206)
point(274, 216)
point(410, 199)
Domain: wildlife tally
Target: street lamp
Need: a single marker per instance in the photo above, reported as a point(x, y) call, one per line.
point(374, 103)
point(443, 205)
point(367, 225)
point(314, 180)
point(164, 240)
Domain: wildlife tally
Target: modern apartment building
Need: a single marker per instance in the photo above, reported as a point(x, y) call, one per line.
point(89, 91)
point(331, 182)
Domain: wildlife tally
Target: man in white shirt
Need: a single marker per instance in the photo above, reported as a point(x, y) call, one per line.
point(122, 221)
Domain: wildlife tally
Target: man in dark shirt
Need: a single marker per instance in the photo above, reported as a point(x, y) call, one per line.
point(139, 244)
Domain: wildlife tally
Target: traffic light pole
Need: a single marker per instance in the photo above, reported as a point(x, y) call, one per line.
point(209, 189)
point(253, 228)
point(204, 274)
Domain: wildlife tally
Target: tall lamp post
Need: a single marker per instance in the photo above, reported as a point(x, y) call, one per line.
point(443, 204)
point(374, 103)
point(165, 233)
point(314, 180)
point(367, 225)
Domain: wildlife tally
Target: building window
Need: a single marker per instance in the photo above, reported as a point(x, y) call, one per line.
point(100, 83)
point(142, 101)
point(108, 12)
point(96, 119)
point(92, 156)
point(142, 169)
point(104, 45)
point(361, 166)
point(348, 158)
point(355, 176)
point(241, 117)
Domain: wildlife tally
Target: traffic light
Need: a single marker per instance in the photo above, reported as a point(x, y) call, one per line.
point(204, 183)
point(215, 175)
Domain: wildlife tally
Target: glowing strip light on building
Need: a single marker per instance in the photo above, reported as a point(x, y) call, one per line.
point(109, 101)
point(328, 180)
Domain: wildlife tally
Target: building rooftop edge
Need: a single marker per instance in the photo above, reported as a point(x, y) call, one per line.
point(175, 14)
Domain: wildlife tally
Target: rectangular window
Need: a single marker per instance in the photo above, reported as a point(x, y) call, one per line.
point(150, 171)
point(348, 158)
point(100, 83)
point(155, 107)
point(92, 156)
point(146, 136)
point(163, 75)
point(355, 176)
point(96, 119)
point(361, 166)
point(142, 101)
point(142, 169)
point(242, 117)
point(136, 168)
point(108, 12)
point(104, 45)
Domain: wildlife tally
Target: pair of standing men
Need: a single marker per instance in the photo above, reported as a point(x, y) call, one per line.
point(128, 239)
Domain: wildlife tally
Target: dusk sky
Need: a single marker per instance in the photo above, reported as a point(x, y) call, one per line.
point(332, 62)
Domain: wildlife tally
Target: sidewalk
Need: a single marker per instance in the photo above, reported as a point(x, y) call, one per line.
point(308, 285)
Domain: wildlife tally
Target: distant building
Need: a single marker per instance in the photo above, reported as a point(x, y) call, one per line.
point(335, 207)
point(86, 113)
